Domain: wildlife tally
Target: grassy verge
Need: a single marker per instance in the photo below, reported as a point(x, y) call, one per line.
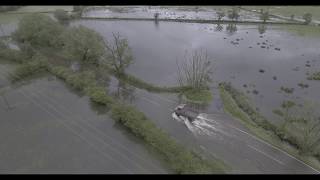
point(148, 86)
point(200, 97)
point(271, 135)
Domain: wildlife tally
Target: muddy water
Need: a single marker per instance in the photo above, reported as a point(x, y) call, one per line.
point(47, 128)
point(245, 55)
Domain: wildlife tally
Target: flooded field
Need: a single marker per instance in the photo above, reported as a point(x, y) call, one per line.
point(46, 128)
point(256, 63)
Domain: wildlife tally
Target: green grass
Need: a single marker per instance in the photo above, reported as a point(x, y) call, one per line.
point(198, 96)
point(287, 11)
point(13, 17)
point(314, 76)
point(134, 81)
point(231, 107)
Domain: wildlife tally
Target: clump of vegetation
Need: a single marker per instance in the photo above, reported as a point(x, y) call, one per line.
point(307, 18)
point(99, 95)
point(303, 85)
point(62, 16)
point(314, 76)
point(181, 160)
point(83, 44)
point(37, 64)
point(195, 72)
point(118, 54)
point(305, 123)
point(287, 90)
point(149, 87)
point(202, 96)
point(10, 54)
point(38, 30)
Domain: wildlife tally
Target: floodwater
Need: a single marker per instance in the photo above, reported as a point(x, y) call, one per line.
point(47, 128)
point(259, 70)
point(244, 55)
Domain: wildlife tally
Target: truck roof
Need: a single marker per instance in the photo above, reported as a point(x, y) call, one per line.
point(187, 112)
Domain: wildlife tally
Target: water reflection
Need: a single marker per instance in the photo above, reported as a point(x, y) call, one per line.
point(231, 29)
point(156, 23)
point(262, 28)
point(219, 27)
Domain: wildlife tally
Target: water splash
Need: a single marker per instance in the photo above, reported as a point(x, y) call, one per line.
point(202, 125)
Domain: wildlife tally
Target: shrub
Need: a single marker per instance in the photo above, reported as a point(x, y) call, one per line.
point(38, 30)
point(81, 80)
point(83, 44)
point(314, 76)
point(98, 95)
point(37, 64)
point(307, 18)
point(11, 55)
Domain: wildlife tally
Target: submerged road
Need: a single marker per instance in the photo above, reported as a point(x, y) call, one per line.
point(222, 136)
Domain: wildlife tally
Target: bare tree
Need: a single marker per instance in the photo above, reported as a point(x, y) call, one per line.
point(118, 54)
point(195, 71)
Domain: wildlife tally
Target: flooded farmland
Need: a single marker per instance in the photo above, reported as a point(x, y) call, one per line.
point(237, 58)
point(48, 127)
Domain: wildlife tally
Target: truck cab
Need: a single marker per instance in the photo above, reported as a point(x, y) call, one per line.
point(186, 112)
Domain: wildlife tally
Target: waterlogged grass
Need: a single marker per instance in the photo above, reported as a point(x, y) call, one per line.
point(287, 11)
point(231, 107)
point(36, 65)
point(198, 96)
point(314, 76)
point(305, 31)
point(148, 86)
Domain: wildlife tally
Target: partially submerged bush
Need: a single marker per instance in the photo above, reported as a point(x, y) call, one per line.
point(37, 64)
point(99, 95)
point(12, 55)
point(314, 76)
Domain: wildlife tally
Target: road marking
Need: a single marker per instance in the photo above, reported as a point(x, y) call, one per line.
point(275, 148)
point(266, 154)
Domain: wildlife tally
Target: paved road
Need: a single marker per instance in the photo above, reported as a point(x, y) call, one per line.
point(222, 136)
